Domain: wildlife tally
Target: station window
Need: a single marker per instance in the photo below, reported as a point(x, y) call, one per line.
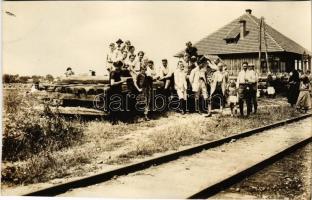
point(283, 67)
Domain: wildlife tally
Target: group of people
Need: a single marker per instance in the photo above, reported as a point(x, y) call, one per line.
point(199, 77)
point(247, 86)
point(299, 92)
point(123, 52)
point(193, 76)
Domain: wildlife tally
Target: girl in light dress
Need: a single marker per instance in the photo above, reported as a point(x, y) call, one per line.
point(181, 85)
point(304, 100)
point(233, 98)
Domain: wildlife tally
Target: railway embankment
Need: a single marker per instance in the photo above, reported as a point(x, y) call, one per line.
point(105, 146)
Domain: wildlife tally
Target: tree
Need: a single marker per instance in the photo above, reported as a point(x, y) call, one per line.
point(35, 78)
point(23, 79)
point(49, 77)
point(9, 78)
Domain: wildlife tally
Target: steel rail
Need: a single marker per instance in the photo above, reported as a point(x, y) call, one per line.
point(226, 183)
point(105, 176)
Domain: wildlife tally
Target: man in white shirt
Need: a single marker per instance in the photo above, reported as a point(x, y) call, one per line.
point(150, 70)
point(134, 68)
point(243, 87)
point(118, 51)
point(226, 74)
point(252, 77)
point(110, 58)
point(218, 85)
point(198, 79)
point(165, 73)
point(127, 45)
point(131, 50)
point(186, 60)
point(139, 60)
point(124, 59)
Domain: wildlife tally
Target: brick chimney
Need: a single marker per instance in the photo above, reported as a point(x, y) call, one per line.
point(248, 11)
point(242, 28)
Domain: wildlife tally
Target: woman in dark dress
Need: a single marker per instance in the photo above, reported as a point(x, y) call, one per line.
point(294, 84)
point(115, 93)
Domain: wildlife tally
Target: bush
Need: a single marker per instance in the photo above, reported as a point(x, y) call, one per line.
point(28, 131)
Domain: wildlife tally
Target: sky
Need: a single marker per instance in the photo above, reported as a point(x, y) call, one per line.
point(47, 37)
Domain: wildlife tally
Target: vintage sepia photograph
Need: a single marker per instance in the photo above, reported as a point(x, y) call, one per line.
point(156, 99)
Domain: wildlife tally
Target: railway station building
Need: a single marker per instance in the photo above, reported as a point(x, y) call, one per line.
point(239, 41)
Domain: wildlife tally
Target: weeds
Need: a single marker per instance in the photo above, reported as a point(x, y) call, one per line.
point(37, 142)
point(204, 130)
point(30, 137)
point(42, 167)
point(28, 131)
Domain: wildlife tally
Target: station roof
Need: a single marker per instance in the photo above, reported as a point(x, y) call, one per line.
point(216, 43)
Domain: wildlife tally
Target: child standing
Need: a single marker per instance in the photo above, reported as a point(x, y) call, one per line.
point(233, 98)
point(304, 100)
point(181, 86)
point(143, 85)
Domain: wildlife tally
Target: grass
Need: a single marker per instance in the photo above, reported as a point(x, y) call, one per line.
point(30, 137)
point(195, 132)
point(42, 167)
point(96, 144)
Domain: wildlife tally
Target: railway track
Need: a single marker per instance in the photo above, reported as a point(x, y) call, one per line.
point(203, 192)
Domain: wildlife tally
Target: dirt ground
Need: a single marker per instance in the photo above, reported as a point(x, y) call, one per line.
point(289, 178)
point(190, 174)
point(106, 146)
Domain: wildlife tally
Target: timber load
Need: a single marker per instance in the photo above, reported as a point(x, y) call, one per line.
point(82, 79)
point(82, 92)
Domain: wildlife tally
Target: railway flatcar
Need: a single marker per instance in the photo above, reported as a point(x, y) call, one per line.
point(91, 95)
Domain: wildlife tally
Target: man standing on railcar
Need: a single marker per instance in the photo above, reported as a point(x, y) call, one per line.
point(110, 58)
point(118, 52)
point(140, 59)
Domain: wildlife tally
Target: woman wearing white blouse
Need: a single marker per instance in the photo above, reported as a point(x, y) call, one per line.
point(181, 86)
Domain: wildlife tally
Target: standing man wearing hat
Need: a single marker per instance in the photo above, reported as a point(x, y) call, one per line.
point(127, 45)
point(243, 89)
point(118, 52)
point(198, 79)
point(110, 58)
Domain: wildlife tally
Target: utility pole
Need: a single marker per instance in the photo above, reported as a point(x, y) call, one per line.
point(266, 46)
point(262, 29)
point(260, 41)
